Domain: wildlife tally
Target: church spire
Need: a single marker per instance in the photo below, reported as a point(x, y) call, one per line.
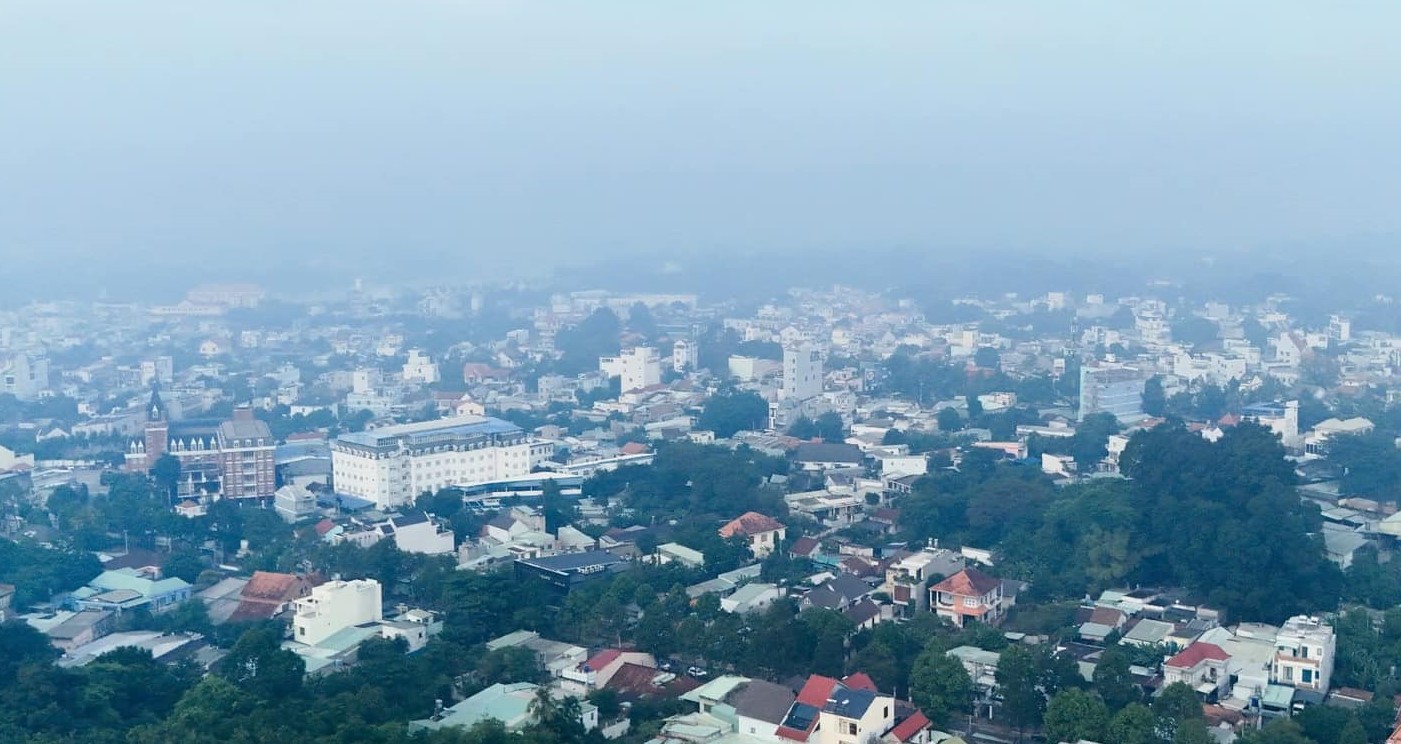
point(155, 410)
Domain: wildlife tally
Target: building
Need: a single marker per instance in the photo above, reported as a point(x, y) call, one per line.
point(1112, 389)
point(1201, 666)
point(294, 503)
point(907, 578)
point(24, 375)
point(7, 598)
point(236, 457)
point(1304, 652)
point(510, 704)
point(131, 588)
point(763, 532)
point(565, 571)
point(414, 532)
point(855, 715)
point(1339, 329)
point(638, 368)
point(968, 596)
point(393, 465)
point(420, 368)
point(802, 373)
point(685, 356)
point(81, 628)
point(335, 606)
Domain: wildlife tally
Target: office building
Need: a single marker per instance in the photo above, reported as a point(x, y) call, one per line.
point(393, 465)
point(638, 368)
point(1112, 389)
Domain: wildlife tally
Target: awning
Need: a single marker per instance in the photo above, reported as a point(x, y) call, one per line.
point(1206, 688)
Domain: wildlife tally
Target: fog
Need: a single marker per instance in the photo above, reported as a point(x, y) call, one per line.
point(307, 142)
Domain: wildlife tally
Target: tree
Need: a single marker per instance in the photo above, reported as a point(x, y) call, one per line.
point(1113, 679)
point(166, 474)
point(1019, 680)
point(1193, 732)
point(1135, 724)
point(830, 427)
point(1353, 732)
point(987, 357)
point(1178, 702)
point(949, 420)
point(1370, 464)
point(939, 685)
point(1154, 400)
point(803, 428)
point(1075, 715)
point(183, 564)
point(258, 663)
point(1194, 331)
point(1279, 731)
point(728, 413)
point(510, 664)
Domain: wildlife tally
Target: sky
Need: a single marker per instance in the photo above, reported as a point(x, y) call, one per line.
point(437, 140)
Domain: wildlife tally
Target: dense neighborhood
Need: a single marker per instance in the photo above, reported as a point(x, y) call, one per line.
point(497, 514)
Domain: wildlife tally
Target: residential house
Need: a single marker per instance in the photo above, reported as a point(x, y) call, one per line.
point(1304, 652)
point(751, 598)
point(595, 672)
point(415, 532)
point(981, 665)
point(678, 553)
point(969, 596)
point(1201, 666)
point(907, 577)
point(335, 606)
point(855, 715)
point(294, 503)
point(837, 593)
point(268, 594)
point(819, 456)
point(764, 533)
point(81, 628)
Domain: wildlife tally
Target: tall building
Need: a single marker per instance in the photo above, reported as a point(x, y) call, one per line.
point(420, 368)
point(235, 457)
point(335, 606)
point(639, 368)
point(685, 356)
point(1304, 652)
point(393, 465)
point(802, 373)
point(1112, 389)
point(24, 375)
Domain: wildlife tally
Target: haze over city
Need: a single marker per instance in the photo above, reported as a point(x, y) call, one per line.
point(296, 143)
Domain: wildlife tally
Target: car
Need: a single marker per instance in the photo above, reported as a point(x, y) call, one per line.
point(665, 665)
point(697, 672)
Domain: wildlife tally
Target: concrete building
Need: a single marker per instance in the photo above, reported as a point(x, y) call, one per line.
point(510, 704)
point(334, 606)
point(24, 375)
point(685, 356)
point(1304, 652)
point(762, 532)
point(802, 373)
point(420, 368)
point(638, 368)
point(1112, 389)
point(294, 503)
point(235, 457)
point(393, 465)
point(131, 588)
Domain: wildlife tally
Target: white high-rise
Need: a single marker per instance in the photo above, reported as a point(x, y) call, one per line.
point(335, 606)
point(639, 368)
point(685, 356)
point(802, 373)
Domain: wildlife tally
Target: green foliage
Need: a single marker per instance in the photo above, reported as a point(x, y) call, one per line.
point(1370, 465)
point(1195, 331)
point(940, 686)
point(39, 573)
point(1353, 733)
point(729, 412)
point(949, 420)
point(1278, 731)
point(1028, 676)
point(1113, 680)
point(260, 666)
point(1154, 401)
point(1135, 724)
point(688, 480)
point(580, 346)
point(510, 664)
point(183, 564)
point(1075, 715)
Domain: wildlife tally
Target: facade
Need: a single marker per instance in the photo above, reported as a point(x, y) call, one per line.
point(294, 503)
point(568, 570)
point(236, 457)
point(393, 465)
point(1112, 389)
point(335, 606)
point(1201, 666)
point(802, 373)
point(968, 596)
point(1304, 651)
point(420, 368)
point(638, 368)
point(414, 532)
point(854, 715)
point(907, 578)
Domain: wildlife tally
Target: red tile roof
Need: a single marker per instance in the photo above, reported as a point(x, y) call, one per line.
point(804, 546)
point(634, 448)
point(269, 586)
point(324, 526)
point(970, 582)
point(817, 690)
point(750, 524)
point(906, 729)
point(1196, 654)
point(860, 681)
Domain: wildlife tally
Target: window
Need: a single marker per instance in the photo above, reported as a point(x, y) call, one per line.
point(1304, 653)
point(970, 602)
point(1289, 674)
point(851, 728)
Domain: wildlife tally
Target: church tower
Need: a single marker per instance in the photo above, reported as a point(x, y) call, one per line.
point(157, 427)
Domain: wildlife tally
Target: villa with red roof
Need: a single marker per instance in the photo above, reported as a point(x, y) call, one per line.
point(763, 532)
point(828, 711)
point(969, 596)
point(1201, 666)
point(596, 671)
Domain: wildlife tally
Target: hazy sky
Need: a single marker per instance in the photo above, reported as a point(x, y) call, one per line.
point(480, 136)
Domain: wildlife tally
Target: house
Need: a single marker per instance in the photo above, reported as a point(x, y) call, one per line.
point(763, 532)
point(805, 547)
point(415, 532)
point(1341, 544)
point(820, 456)
point(335, 606)
point(1305, 648)
point(837, 593)
point(129, 588)
point(981, 665)
point(1201, 666)
point(595, 672)
point(81, 628)
point(855, 715)
point(267, 595)
point(1147, 632)
point(510, 704)
point(1101, 622)
point(969, 595)
point(634, 682)
point(907, 577)
point(760, 707)
point(751, 598)
point(294, 503)
point(556, 657)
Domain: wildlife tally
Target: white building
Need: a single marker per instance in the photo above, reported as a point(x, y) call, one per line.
point(24, 375)
point(802, 373)
point(1304, 653)
point(335, 606)
point(393, 465)
point(420, 368)
point(639, 368)
point(685, 356)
